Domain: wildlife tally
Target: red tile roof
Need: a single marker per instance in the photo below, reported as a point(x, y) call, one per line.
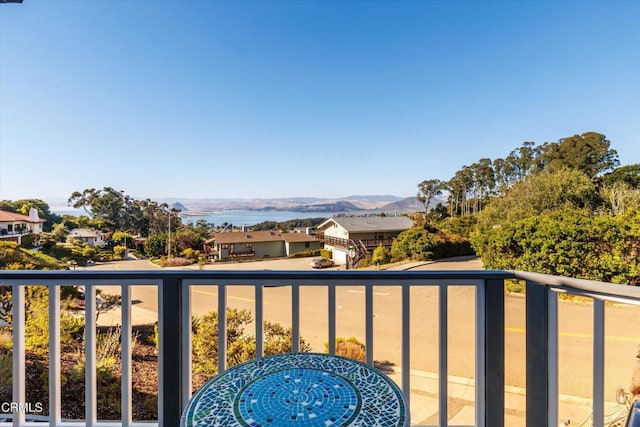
point(6, 216)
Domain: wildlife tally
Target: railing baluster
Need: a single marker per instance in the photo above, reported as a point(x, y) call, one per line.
point(493, 369)
point(19, 387)
point(55, 401)
point(259, 320)
point(368, 329)
point(598, 362)
point(295, 318)
point(553, 357)
point(406, 342)
point(222, 328)
point(186, 342)
point(332, 318)
point(443, 374)
point(170, 402)
point(125, 384)
point(537, 336)
point(90, 377)
point(480, 358)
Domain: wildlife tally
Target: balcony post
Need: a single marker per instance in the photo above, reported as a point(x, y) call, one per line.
point(537, 354)
point(170, 403)
point(494, 356)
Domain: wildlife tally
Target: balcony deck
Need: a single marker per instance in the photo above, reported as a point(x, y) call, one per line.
point(176, 294)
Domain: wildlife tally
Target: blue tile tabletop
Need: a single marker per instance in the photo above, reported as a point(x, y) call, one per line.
point(303, 389)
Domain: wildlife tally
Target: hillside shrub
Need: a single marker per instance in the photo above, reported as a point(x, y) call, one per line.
point(175, 262)
point(307, 253)
point(241, 346)
point(119, 251)
point(191, 254)
point(13, 257)
point(328, 254)
point(418, 244)
point(568, 242)
point(381, 255)
point(349, 347)
point(37, 322)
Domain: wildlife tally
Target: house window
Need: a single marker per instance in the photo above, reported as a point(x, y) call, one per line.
point(249, 245)
point(307, 244)
point(10, 228)
point(224, 246)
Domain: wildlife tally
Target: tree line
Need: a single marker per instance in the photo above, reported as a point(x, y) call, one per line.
point(564, 207)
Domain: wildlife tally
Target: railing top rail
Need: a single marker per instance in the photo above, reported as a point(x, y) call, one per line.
point(256, 275)
point(589, 286)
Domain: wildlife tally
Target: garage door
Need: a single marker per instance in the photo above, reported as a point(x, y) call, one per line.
point(339, 256)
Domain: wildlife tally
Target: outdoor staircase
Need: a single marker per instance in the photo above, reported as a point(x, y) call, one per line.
point(361, 252)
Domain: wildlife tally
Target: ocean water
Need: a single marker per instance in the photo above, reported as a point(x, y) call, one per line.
point(232, 216)
point(245, 217)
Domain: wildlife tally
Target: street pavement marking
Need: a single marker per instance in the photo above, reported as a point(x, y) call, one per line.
point(229, 296)
point(582, 335)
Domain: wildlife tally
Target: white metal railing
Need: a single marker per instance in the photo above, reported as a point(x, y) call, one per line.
point(174, 315)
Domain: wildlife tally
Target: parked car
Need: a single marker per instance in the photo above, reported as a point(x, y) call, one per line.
point(321, 262)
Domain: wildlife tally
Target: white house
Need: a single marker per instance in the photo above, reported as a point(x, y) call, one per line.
point(14, 225)
point(89, 236)
point(361, 234)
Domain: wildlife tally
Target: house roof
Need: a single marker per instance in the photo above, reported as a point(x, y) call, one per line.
point(356, 224)
point(247, 236)
point(84, 232)
point(298, 237)
point(6, 216)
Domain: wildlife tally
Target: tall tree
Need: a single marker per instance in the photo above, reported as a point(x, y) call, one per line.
point(427, 190)
point(629, 174)
point(83, 199)
point(589, 153)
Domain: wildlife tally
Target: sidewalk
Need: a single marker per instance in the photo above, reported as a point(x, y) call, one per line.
point(424, 401)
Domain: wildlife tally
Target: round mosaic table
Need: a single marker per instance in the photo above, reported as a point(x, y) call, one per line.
point(305, 389)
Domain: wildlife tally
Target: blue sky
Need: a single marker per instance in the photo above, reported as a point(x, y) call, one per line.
point(240, 99)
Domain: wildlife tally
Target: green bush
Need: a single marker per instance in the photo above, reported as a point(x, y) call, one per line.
point(326, 253)
point(241, 347)
point(381, 255)
point(6, 371)
point(190, 254)
point(119, 252)
point(349, 347)
point(37, 322)
point(568, 242)
point(307, 253)
point(419, 244)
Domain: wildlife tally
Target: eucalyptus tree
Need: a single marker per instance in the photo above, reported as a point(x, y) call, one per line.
point(589, 153)
point(427, 191)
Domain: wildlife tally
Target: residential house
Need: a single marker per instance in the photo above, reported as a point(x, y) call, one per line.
point(89, 236)
point(360, 234)
point(300, 242)
point(13, 226)
point(237, 245)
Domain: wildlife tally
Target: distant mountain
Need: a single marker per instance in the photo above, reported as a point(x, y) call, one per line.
point(374, 198)
point(339, 206)
point(297, 204)
point(409, 204)
point(177, 206)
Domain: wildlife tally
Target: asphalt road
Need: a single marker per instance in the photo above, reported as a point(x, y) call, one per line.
point(575, 324)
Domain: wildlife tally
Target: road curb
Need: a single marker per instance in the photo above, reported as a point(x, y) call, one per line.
point(509, 389)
